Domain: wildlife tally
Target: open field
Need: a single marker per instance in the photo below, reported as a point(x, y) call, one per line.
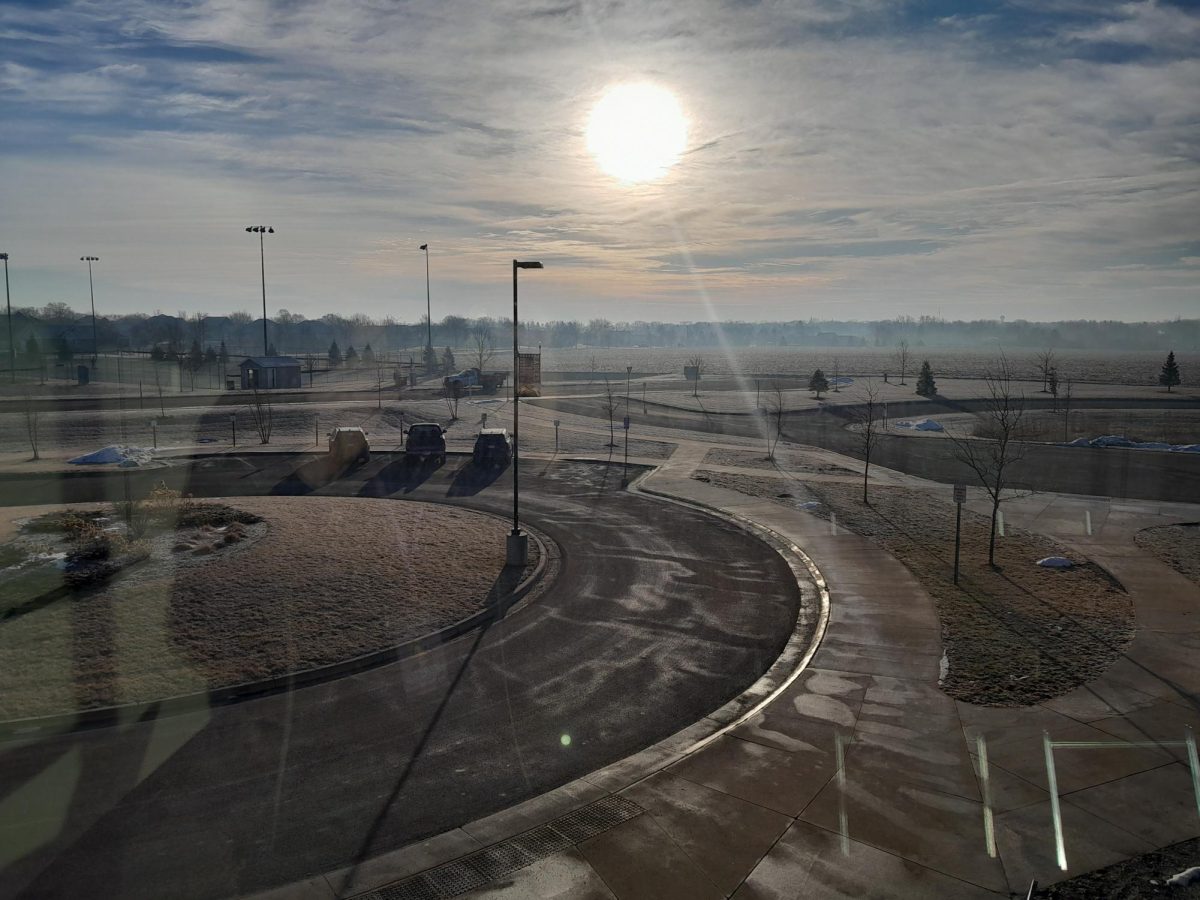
point(1013, 636)
point(284, 602)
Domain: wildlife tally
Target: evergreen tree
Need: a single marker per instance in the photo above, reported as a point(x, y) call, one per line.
point(1169, 376)
point(271, 351)
point(223, 355)
point(368, 356)
point(195, 355)
point(335, 355)
point(352, 356)
point(32, 349)
point(818, 383)
point(447, 360)
point(62, 349)
point(210, 355)
point(156, 353)
point(926, 387)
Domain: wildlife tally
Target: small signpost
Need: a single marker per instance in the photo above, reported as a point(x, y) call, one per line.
point(960, 497)
point(557, 422)
point(233, 427)
point(154, 430)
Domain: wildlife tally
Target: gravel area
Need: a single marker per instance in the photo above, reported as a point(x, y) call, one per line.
point(1176, 545)
point(1013, 636)
point(1142, 878)
point(323, 580)
point(751, 459)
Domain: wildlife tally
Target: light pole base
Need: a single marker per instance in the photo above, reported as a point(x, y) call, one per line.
point(517, 549)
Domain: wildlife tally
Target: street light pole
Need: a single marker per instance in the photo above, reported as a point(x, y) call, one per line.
point(92, 292)
point(12, 347)
point(261, 230)
point(518, 544)
point(428, 309)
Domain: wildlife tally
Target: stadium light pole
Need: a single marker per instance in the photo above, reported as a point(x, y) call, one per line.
point(92, 292)
point(12, 347)
point(518, 544)
point(261, 230)
point(428, 309)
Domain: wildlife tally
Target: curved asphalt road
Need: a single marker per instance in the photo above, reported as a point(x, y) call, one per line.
point(659, 615)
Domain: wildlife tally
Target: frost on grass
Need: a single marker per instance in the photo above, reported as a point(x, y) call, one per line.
point(1012, 636)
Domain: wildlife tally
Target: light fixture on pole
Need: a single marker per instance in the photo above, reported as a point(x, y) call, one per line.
point(12, 347)
point(92, 292)
point(261, 230)
point(518, 544)
point(428, 312)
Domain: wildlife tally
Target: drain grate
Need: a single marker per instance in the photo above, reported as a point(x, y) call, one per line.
point(495, 862)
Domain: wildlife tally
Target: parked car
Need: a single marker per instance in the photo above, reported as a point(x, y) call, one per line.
point(493, 447)
point(348, 444)
point(461, 382)
point(426, 440)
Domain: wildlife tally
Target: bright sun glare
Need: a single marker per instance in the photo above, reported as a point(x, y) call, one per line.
point(637, 132)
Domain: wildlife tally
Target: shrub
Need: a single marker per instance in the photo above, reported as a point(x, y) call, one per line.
point(65, 522)
point(214, 515)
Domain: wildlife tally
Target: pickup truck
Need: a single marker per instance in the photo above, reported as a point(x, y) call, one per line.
point(461, 382)
point(426, 440)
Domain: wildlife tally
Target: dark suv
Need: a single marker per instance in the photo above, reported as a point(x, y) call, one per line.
point(493, 447)
point(426, 440)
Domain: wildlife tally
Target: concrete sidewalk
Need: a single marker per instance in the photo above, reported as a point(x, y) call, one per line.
point(862, 779)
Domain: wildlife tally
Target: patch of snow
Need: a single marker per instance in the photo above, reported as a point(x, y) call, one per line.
point(809, 504)
point(1186, 877)
point(943, 668)
point(1117, 440)
point(1055, 562)
point(921, 425)
point(121, 455)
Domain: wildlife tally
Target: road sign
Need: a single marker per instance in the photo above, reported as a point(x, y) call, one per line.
point(557, 422)
point(626, 423)
point(960, 493)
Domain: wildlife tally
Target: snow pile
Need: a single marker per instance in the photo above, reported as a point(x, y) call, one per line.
point(809, 504)
point(1185, 878)
point(1117, 440)
point(921, 425)
point(841, 381)
point(122, 456)
point(1055, 562)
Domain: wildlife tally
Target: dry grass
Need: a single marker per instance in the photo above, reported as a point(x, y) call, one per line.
point(321, 580)
point(757, 459)
point(1015, 635)
point(1176, 545)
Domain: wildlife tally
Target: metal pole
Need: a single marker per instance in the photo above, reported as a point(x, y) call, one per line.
point(92, 293)
point(957, 537)
point(12, 347)
point(516, 409)
point(429, 309)
point(233, 427)
point(262, 261)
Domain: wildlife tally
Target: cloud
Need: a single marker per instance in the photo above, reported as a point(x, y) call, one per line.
point(850, 151)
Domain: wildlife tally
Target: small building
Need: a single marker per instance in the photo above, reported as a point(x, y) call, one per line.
point(269, 372)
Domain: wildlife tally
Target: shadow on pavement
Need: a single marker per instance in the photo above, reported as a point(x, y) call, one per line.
point(401, 475)
point(471, 479)
point(310, 476)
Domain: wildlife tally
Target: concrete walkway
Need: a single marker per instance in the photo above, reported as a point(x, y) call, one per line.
point(862, 779)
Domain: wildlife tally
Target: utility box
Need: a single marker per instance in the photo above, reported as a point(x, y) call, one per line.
point(83, 374)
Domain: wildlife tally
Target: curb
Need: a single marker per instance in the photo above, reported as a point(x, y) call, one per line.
point(797, 653)
point(184, 703)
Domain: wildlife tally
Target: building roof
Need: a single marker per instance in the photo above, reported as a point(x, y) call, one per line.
point(270, 362)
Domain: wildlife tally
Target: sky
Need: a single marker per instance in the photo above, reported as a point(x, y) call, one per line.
point(859, 159)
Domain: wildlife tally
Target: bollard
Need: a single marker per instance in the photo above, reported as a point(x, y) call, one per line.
point(1000, 522)
point(1087, 521)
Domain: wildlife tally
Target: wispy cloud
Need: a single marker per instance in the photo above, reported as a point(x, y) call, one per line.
point(847, 153)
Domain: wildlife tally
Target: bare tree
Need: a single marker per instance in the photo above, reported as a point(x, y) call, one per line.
point(775, 410)
point(482, 348)
point(262, 413)
point(609, 405)
point(991, 458)
point(162, 410)
point(696, 361)
point(31, 424)
point(836, 377)
point(1045, 362)
point(902, 358)
point(868, 417)
point(1066, 410)
point(451, 394)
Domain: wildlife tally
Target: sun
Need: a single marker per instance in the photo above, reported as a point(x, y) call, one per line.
point(637, 132)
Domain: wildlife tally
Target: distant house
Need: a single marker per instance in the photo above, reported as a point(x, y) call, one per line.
point(269, 372)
